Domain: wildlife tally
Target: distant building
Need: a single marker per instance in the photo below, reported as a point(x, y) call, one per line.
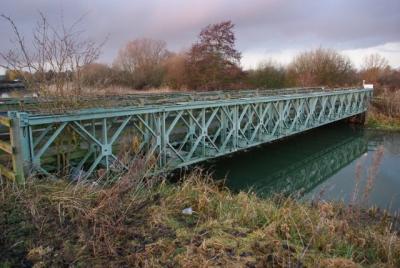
point(7, 86)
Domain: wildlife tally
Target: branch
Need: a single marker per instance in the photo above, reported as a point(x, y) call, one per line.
point(20, 40)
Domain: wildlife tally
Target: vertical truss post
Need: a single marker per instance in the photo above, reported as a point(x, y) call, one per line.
point(224, 126)
point(281, 117)
point(146, 135)
point(159, 138)
point(106, 147)
point(293, 114)
point(268, 121)
point(236, 125)
point(191, 130)
point(203, 131)
point(261, 121)
point(164, 138)
point(247, 131)
point(92, 145)
point(20, 142)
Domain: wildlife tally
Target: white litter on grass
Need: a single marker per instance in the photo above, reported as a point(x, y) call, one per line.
point(187, 211)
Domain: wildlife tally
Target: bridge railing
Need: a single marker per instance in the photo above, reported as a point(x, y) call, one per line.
point(173, 134)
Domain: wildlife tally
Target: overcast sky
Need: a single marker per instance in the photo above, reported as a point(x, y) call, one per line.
point(264, 28)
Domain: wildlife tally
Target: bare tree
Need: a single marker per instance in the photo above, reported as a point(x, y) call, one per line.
point(374, 67)
point(61, 51)
point(321, 67)
point(141, 60)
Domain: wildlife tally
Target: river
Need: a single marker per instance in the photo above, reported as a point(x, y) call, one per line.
point(336, 162)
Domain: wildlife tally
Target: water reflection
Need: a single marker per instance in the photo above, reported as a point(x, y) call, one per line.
point(302, 176)
point(319, 161)
point(385, 185)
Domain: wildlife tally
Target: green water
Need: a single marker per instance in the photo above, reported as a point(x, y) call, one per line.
point(336, 162)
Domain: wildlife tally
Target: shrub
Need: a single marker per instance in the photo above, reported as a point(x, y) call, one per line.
point(321, 67)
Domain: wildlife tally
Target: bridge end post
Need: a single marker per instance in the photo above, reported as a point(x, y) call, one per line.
point(19, 137)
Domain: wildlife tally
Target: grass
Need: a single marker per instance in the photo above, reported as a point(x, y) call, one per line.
point(380, 121)
point(139, 222)
point(384, 112)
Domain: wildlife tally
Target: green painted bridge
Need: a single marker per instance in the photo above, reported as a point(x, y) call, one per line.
point(169, 130)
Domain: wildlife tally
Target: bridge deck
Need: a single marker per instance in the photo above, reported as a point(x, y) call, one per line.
point(52, 105)
point(171, 130)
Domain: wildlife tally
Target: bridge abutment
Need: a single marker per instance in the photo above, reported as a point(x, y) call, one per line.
point(358, 119)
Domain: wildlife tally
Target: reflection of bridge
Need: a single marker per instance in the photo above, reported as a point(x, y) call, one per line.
point(178, 131)
point(304, 175)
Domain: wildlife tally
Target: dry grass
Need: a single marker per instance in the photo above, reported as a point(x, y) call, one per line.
point(388, 102)
point(378, 120)
point(114, 90)
point(121, 90)
point(139, 222)
point(51, 102)
point(384, 113)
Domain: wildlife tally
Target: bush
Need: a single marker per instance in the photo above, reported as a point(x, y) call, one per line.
point(268, 75)
point(175, 75)
point(322, 67)
point(96, 75)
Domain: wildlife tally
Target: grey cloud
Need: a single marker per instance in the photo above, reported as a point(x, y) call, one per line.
point(269, 25)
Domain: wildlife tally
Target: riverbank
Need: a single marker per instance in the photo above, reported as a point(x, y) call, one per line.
point(384, 111)
point(140, 223)
point(380, 121)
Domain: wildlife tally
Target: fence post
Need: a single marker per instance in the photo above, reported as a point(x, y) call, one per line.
point(19, 137)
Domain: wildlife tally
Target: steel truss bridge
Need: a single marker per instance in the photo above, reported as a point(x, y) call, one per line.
point(171, 130)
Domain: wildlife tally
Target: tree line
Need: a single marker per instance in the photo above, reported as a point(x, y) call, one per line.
point(212, 62)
